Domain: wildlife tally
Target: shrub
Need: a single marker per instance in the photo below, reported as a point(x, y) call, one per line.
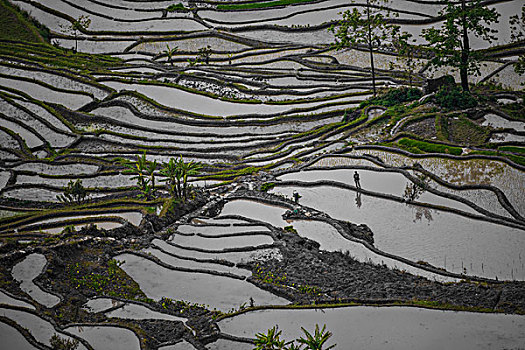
point(59, 343)
point(74, 193)
point(452, 97)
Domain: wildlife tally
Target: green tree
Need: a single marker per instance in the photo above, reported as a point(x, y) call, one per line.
point(407, 53)
point(82, 23)
point(451, 43)
point(170, 52)
point(74, 193)
point(367, 27)
point(517, 27)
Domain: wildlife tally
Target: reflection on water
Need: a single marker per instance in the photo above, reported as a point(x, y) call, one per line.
point(358, 200)
point(422, 212)
point(486, 249)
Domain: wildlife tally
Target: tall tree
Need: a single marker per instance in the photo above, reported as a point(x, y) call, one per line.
point(517, 27)
point(451, 42)
point(407, 54)
point(366, 27)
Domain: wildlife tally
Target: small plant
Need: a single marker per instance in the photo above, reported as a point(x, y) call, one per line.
point(177, 8)
point(271, 340)
point(74, 193)
point(170, 51)
point(290, 229)
point(58, 343)
point(204, 54)
point(316, 341)
point(144, 171)
point(267, 186)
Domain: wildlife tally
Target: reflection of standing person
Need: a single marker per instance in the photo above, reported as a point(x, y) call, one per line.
point(357, 180)
point(358, 200)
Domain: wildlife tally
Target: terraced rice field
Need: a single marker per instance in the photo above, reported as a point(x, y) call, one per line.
point(256, 94)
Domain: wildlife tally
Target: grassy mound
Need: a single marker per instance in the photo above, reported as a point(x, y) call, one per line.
point(17, 25)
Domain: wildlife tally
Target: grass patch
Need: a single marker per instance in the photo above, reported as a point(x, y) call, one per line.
point(104, 279)
point(19, 26)
point(516, 159)
point(441, 127)
point(258, 5)
point(463, 131)
point(419, 147)
point(512, 149)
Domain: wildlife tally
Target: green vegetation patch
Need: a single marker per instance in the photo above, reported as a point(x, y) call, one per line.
point(417, 147)
point(516, 110)
point(453, 98)
point(17, 25)
point(461, 130)
point(258, 5)
point(516, 159)
point(394, 97)
point(512, 149)
point(103, 279)
point(177, 8)
point(267, 186)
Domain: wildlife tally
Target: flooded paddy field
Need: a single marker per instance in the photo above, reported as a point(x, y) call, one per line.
point(189, 175)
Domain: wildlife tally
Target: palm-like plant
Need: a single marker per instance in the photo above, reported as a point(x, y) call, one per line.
point(188, 169)
point(316, 341)
point(172, 171)
point(177, 172)
point(144, 172)
point(170, 52)
point(270, 340)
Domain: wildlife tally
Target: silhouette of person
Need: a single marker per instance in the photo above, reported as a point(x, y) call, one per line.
point(296, 196)
point(357, 180)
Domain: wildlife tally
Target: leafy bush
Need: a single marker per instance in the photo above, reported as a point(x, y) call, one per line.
point(452, 98)
point(394, 97)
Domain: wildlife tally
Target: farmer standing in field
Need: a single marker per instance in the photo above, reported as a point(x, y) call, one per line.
point(357, 180)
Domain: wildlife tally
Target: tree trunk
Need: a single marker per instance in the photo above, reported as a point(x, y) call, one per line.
point(370, 48)
point(465, 51)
